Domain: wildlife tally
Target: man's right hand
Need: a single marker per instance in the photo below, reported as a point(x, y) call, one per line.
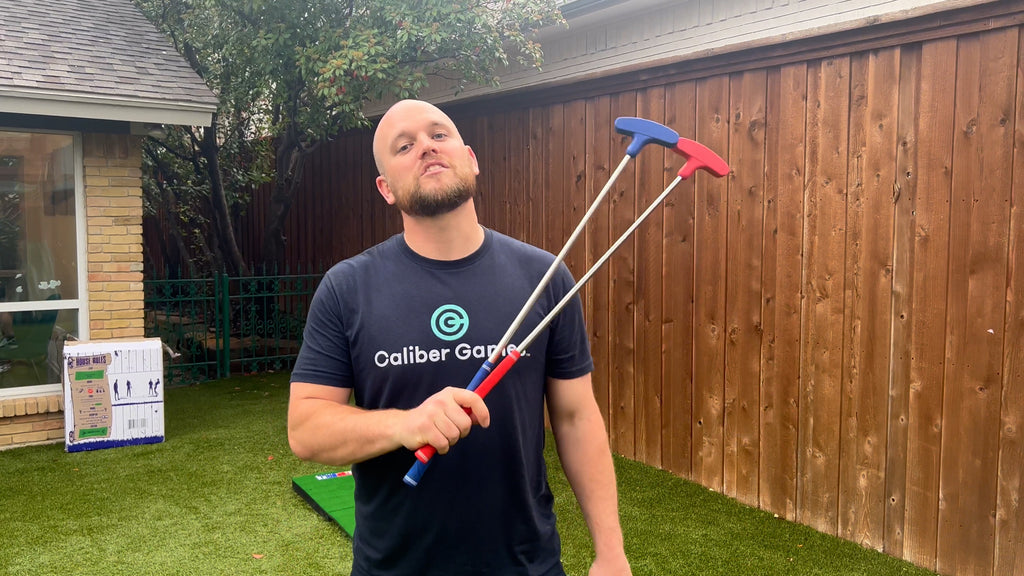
point(442, 419)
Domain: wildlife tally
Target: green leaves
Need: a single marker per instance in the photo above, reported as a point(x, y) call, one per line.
point(300, 62)
point(298, 71)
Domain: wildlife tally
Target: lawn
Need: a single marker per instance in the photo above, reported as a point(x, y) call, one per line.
point(216, 498)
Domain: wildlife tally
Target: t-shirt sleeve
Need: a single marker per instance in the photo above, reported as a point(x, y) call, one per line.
point(324, 357)
point(568, 354)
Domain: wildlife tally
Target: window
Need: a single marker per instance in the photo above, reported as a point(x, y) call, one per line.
point(42, 258)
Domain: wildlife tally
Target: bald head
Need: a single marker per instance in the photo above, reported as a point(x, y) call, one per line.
point(393, 126)
point(425, 168)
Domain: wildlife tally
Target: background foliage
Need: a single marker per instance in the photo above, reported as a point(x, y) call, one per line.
point(290, 74)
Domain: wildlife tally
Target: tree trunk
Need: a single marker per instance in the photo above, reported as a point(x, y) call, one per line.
point(225, 232)
point(288, 166)
point(180, 257)
point(170, 203)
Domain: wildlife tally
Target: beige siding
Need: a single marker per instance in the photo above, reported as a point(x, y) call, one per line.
point(646, 33)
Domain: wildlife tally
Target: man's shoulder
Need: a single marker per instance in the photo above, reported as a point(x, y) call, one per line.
point(382, 254)
point(509, 245)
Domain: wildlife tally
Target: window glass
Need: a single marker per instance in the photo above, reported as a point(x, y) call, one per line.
point(38, 252)
point(39, 256)
point(34, 346)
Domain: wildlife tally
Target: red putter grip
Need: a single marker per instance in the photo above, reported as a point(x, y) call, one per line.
point(699, 157)
point(425, 453)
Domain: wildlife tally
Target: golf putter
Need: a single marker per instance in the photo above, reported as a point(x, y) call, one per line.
point(642, 132)
point(698, 157)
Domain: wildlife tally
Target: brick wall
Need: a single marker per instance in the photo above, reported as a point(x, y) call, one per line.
point(35, 420)
point(113, 200)
point(113, 204)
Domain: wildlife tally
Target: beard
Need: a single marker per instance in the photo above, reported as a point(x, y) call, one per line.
point(427, 205)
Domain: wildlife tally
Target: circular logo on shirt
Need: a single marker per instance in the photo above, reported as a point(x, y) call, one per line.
point(449, 322)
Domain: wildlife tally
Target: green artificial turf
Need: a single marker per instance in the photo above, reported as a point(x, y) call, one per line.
point(216, 498)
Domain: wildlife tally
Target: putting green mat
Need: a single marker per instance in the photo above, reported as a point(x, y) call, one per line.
point(332, 495)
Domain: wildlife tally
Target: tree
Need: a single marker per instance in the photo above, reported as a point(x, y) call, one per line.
point(290, 74)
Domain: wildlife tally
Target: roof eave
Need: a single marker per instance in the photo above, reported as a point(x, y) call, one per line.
point(101, 107)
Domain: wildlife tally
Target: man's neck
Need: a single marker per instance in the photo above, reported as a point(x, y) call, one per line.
point(450, 236)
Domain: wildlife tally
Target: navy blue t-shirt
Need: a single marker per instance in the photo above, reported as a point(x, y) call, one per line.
point(396, 327)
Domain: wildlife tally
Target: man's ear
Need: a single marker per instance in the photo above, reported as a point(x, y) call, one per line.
point(385, 190)
point(472, 156)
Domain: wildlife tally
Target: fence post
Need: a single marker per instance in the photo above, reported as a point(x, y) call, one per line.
point(223, 344)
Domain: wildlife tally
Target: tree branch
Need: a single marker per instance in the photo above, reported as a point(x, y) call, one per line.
point(176, 153)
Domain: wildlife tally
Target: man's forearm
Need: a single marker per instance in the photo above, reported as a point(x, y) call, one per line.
point(323, 427)
point(337, 435)
point(587, 461)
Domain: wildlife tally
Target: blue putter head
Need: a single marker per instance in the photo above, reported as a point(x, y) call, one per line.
point(644, 132)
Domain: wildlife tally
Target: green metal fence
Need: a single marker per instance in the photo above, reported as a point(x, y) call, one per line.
point(219, 326)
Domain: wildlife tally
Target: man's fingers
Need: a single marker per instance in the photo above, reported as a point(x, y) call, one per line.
point(448, 433)
point(472, 405)
point(445, 418)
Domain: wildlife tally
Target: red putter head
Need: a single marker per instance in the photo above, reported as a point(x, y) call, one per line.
point(699, 157)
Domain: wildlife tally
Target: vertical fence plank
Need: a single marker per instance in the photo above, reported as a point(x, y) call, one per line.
point(745, 233)
point(340, 229)
point(977, 300)
point(1009, 553)
point(599, 151)
point(920, 294)
point(499, 174)
point(495, 209)
point(554, 235)
point(621, 274)
point(518, 152)
point(781, 233)
point(677, 293)
point(331, 249)
point(650, 170)
point(781, 273)
point(315, 188)
point(874, 100)
point(709, 298)
point(350, 200)
point(329, 189)
point(537, 169)
point(904, 191)
point(574, 176)
point(928, 259)
point(828, 89)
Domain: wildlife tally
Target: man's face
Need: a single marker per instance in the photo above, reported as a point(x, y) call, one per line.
point(426, 169)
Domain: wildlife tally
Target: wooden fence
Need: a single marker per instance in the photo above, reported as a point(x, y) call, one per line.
point(834, 332)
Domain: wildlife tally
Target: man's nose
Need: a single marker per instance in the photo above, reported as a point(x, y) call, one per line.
point(426, 145)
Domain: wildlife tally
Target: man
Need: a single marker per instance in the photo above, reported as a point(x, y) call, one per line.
point(403, 327)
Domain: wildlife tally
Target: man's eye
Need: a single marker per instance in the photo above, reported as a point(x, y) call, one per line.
point(404, 147)
point(440, 136)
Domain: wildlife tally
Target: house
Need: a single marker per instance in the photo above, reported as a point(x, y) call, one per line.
point(81, 83)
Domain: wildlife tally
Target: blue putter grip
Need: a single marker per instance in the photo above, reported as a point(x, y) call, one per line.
point(481, 374)
point(415, 474)
point(644, 132)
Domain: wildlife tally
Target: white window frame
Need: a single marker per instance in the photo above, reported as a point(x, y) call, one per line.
point(82, 238)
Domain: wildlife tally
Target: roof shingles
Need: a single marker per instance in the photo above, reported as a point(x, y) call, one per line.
point(93, 47)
